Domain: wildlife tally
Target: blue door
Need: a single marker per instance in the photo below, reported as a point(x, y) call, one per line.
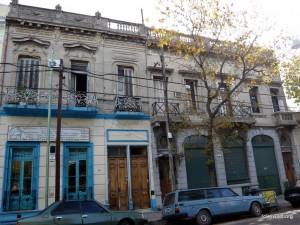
point(21, 175)
point(78, 174)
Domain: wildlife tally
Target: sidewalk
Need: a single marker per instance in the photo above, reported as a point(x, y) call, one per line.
point(154, 218)
point(282, 203)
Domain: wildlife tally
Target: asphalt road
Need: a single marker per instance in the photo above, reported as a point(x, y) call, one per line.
point(288, 216)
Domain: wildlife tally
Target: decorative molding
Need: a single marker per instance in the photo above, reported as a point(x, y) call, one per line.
point(14, 2)
point(159, 69)
point(57, 33)
point(33, 39)
point(127, 56)
point(90, 48)
point(58, 8)
point(78, 54)
point(77, 37)
point(34, 32)
point(35, 13)
point(98, 15)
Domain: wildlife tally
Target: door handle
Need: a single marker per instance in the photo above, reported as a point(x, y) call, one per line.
point(58, 217)
point(84, 216)
point(181, 204)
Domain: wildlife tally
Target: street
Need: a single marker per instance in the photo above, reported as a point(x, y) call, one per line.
point(282, 217)
point(285, 216)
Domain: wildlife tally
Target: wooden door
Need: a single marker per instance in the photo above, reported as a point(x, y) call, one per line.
point(289, 166)
point(118, 187)
point(140, 182)
point(165, 183)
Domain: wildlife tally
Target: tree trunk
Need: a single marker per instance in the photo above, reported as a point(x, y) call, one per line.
point(209, 150)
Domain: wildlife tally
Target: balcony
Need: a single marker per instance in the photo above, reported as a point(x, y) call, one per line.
point(128, 107)
point(159, 110)
point(27, 101)
point(284, 119)
point(239, 113)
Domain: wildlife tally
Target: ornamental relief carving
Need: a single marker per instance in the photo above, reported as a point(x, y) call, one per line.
point(30, 49)
point(80, 54)
point(30, 45)
point(57, 33)
point(34, 32)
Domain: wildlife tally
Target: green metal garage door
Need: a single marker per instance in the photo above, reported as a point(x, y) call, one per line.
point(265, 163)
point(235, 161)
point(196, 162)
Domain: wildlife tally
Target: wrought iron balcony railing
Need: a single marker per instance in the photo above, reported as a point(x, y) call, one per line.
point(239, 111)
point(158, 108)
point(28, 96)
point(128, 104)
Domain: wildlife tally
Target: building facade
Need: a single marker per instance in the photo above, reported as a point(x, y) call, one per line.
point(3, 12)
point(105, 138)
point(263, 157)
point(113, 142)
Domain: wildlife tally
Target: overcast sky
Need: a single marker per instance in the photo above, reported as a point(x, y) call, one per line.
point(285, 12)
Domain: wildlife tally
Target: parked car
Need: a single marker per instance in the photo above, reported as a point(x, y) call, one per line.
point(206, 203)
point(292, 194)
point(86, 212)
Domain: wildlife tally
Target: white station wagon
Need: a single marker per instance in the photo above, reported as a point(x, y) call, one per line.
point(205, 203)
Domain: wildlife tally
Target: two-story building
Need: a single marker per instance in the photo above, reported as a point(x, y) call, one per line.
point(105, 135)
point(263, 157)
point(113, 142)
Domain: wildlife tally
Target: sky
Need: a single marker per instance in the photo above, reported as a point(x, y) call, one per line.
point(286, 13)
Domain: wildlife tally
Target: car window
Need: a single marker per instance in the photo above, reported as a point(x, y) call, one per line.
point(169, 199)
point(213, 193)
point(191, 195)
point(226, 192)
point(72, 207)
point(91, 207)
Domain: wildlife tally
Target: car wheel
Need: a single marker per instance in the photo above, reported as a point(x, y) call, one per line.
point(256, 209)
point(126, 222)
point(203, 218)
point(295, 204)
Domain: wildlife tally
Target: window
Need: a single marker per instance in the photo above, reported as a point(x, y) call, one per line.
point(158, 88)
point(254, 100)
point(159, 106)
point(21, 179)
point(28, 72)
point(228, 192)
point(191, 87)
point(226, 108)
point(213, 193)
point(91, 207)
point(125, 82)
point(191, 195)
point(274, 97)
point(71, 207)
point(79, 81)
point(169, 199)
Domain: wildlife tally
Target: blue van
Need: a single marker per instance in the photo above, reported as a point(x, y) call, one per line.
point(205, 203)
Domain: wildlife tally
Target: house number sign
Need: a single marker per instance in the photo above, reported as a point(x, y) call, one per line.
point(16, 133)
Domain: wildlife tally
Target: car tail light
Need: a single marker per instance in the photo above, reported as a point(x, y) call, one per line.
point(177, 210)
